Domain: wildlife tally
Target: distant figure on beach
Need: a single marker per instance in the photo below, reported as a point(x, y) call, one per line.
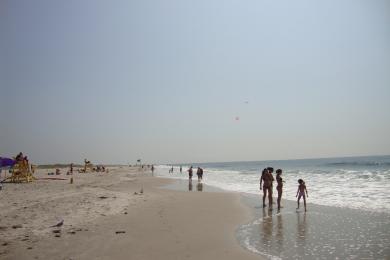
point(267, 179)
point(71, 168)
point(199, 174)
point(180, 169)
point(152, 168)
point(301, 192)
point(190, 173)
point(172, 169)
point(279, 187)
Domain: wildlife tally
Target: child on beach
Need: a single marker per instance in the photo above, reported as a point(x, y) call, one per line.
point(301, 192)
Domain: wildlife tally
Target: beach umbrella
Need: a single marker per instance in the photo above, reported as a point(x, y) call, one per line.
point(6, 162)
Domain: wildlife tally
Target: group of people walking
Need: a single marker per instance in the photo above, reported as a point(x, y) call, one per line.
point(267, 180)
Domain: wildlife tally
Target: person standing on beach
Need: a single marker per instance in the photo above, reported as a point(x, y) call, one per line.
point(198, 173)
point(271, 170)
point(152, 169)
point(180, 169)
point(301, 192)
point(267, 179)
point(190, 173)
point(71, 168)
point(279, 187)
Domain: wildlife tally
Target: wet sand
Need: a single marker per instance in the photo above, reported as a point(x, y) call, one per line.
point(107, 217)
point(321, 233)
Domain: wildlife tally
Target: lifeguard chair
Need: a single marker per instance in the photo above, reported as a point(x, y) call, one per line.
point(88, 166)
point(21, 172)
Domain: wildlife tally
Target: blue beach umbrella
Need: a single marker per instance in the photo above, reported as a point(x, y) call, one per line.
point(6, 162)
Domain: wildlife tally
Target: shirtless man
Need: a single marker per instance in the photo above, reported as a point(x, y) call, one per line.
point(267, 179)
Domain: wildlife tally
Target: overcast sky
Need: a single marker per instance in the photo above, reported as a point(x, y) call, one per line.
point(194, 81)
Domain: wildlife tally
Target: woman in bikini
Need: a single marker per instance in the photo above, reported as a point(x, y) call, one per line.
point(267, 179)
point(279, 188)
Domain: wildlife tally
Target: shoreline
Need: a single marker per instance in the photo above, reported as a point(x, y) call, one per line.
point(105, 219)
point(321, 232)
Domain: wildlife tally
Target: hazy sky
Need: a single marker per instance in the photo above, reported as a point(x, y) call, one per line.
point(114, 81)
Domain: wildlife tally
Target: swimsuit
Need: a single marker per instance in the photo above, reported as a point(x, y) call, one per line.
point(280, 183)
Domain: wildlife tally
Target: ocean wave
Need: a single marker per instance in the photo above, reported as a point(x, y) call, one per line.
point(367, 163)
point(359, 188)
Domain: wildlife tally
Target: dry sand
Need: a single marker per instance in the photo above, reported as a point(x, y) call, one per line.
point(105, 219)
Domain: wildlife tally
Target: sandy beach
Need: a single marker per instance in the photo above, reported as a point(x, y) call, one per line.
point(105, 216)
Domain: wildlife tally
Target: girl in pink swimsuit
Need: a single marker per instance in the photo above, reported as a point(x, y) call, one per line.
point(301, 192)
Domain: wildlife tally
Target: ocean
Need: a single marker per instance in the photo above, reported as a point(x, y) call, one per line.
point(348, 206)
point(352, 182)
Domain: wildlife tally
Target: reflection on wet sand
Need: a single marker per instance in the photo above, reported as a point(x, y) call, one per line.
point(279, 230)
point(301, 233)
point(321, 233)
point(267, 227)
point(301, 226)
point(199, 187)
